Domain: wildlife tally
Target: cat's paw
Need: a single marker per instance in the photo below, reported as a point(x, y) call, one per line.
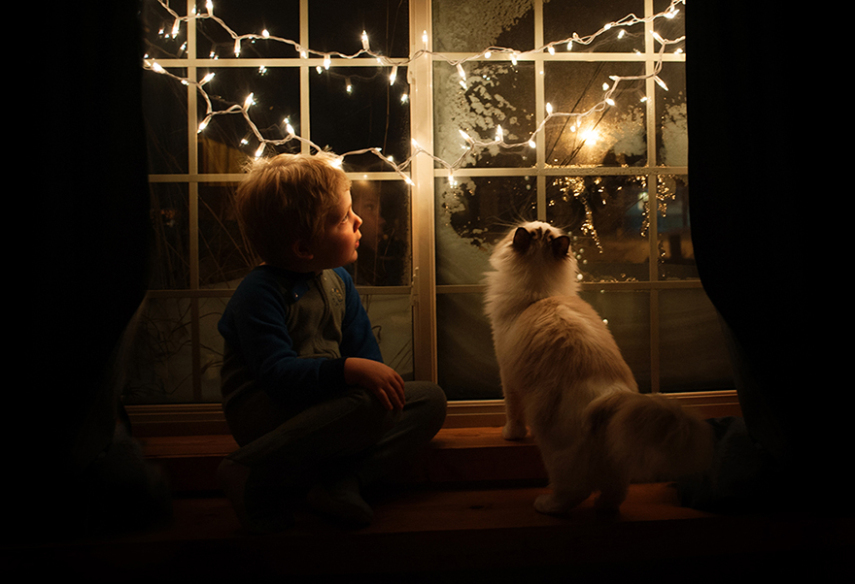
point(514, 431)
point(549, 505)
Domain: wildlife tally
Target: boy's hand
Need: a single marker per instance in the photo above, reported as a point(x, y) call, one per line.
point(381, 380)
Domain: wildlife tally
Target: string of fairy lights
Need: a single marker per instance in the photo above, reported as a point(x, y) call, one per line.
point(499, 140)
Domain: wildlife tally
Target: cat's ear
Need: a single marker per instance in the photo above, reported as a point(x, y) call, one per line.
point(522, 239)
point(560, 246)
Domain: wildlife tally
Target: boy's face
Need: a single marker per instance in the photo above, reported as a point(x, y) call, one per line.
point(340, 240)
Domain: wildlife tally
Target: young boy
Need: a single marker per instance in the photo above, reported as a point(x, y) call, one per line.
point(305, 391)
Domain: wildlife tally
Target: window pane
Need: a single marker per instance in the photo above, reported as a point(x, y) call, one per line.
point(473, 25)
point(471, 217)
point(224, 256)
point(170, 256)
point(280, 18)
point(676, 254)
point(586, 17)
point(228, 139)
point(672, 132)
point(369, 114)
point(496, 95)
point(386, 22)
point(615, 136)
point(607, 218)
point(392, 321)
point(693, 352)
point(164, 102)
point(467, 363)
point(159, 365)
point(384, 250)
point(627, 315)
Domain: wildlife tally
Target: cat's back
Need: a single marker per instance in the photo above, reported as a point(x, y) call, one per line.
point(566, 333)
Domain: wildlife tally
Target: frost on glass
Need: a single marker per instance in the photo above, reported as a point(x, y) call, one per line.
point(471, 216)
point(473, 25)
point(606, 217)
point(610, 136)
point(491, 96)
point(673, 130)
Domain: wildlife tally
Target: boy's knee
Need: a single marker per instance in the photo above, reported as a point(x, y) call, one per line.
point(429, 399)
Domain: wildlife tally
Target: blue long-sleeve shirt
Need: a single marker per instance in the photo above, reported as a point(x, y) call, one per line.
point(289, 334)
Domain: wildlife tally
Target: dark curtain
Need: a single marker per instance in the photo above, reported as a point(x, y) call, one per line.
point(754, 215)
point(82, 474)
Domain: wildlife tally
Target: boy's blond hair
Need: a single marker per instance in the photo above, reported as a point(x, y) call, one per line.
point(286, 198)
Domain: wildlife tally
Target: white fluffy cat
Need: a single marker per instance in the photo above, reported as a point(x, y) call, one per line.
point(563, 374)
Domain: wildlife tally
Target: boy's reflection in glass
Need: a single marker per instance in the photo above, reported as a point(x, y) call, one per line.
point(381, 254)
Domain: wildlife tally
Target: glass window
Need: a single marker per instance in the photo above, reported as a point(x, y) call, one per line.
point(571, 112)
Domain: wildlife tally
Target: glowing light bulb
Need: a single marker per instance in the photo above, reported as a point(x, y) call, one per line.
point(409, 181)
point(610, 101)
point(237, 47)
point(393, 75)
point(499, 134)
point(660, 83)
point(548, 108)
point(405, 98)
point(465, 136)
point(365, 40)
point(488, 54)
point(260, 150)
point(327, 62)
point(514, 57)
point(605, 86)
point(209, 6)
point(176, 26)
point(248, 101)
point(203, 125)
point(424, 37)
point(207, 78)
point(551, 50)
point(532, 143)
point(265, 33)
point(155, 66)
point(621, 34)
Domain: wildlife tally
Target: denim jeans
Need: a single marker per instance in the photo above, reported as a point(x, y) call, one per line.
point(351, 433)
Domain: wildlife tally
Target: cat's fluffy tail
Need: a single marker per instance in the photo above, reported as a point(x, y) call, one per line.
point(647, 437)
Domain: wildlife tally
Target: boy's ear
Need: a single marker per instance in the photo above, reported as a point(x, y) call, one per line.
point(302, 250)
